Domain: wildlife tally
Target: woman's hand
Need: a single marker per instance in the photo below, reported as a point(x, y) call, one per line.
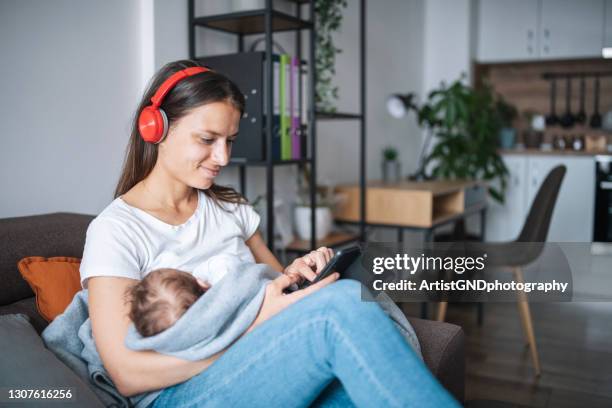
point(275, 298)
point(310, 264)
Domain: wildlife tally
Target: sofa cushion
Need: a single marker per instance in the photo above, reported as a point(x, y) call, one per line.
point(54, 281)
point(48, 235)
point(26, 307)
point(27, 364)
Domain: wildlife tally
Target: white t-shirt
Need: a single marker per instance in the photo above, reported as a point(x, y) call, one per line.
point(124, 241)
point(216, 267)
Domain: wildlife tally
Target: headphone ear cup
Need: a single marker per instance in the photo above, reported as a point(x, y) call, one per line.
point(152, 124)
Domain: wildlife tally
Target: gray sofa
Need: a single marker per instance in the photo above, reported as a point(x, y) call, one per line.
point(63, 234)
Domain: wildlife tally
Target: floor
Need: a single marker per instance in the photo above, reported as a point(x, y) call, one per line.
point(574, 340)
point(575, 346)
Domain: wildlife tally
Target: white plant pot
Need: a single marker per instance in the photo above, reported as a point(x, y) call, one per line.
point(323, 222)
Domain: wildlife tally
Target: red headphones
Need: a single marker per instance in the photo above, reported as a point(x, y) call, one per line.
point(152, 121)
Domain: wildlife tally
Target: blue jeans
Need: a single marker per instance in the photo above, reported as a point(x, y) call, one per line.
point(330, 349)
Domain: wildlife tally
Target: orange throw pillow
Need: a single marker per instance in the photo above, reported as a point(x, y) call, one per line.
point(55, 281)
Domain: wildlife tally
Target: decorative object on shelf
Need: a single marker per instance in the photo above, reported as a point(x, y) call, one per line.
point(559, 142)
point(466, 124)
point(578, 143)
point(398, 106)
point(506, 113)
point(391, 167)
point(534, 134)
point(302, 221)
point(595, 143)
point(326, 199)
point(328, 14)
point(283, 234)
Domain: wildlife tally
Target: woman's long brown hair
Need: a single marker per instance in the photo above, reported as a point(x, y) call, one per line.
point(191, 92)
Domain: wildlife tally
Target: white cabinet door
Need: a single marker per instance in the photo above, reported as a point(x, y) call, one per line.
point(608, 25)
point(571, 29)
point(572, 219)
point(504, 221)
point(507, 30)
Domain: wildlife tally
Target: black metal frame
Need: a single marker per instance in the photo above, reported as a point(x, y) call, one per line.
point(286, 22)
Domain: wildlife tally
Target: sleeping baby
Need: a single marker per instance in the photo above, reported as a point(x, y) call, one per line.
point(164, 295)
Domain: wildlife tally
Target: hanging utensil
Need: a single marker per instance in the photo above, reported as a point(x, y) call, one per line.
point(581, 116)
point(552, 119)
point(596, 117)
point(567, 120)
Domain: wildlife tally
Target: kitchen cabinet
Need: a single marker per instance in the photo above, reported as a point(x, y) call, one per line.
point(571, 29)
point(572, 219)
point(507, 30)
point(539, 29)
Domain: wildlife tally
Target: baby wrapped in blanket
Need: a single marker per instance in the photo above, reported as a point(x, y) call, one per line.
point(194, 316)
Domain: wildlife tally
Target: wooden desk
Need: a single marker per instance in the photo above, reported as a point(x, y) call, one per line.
point(411, 204)
point(415, 205)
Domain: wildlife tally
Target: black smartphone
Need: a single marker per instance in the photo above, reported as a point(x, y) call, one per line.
point(339, 263)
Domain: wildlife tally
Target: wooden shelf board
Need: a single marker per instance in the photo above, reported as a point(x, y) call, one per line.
point(337, 115)
point(251, 22)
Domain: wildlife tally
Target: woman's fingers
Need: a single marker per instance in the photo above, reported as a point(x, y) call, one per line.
point(305, 267)
point(298, 294)
point(328, 253)
point(284, 281)
point(319, 258)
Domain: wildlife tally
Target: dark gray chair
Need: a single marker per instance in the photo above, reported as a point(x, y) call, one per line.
point(515, 257)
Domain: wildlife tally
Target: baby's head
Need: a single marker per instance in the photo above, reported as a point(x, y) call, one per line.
point(161, 298)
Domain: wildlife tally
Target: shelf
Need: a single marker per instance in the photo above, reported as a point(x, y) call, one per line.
point(337, 116)
point(332, 240)
point(251, 22)
point(238, 162)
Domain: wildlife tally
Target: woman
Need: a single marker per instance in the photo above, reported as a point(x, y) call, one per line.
point(169, 213)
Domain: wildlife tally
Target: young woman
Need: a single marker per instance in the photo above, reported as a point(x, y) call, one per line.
point(321, 345)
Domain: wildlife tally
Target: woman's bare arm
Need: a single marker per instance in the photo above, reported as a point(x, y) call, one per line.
point(261, 252)
point(307, 266)
point(133, 372)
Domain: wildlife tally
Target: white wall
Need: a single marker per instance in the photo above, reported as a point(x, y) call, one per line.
point(70, 79)
point(72, 73)
point(394, 52)
point(447, 41)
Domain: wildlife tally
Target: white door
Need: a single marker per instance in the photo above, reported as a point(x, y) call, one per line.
point(507, 30)
point(571, 29)
point(504, 221)
point(572, 219)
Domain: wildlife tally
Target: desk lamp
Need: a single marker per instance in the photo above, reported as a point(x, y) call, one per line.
point(398, 106)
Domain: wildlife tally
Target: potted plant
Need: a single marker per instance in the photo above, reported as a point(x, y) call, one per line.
point(328, 14)
point(506, 114)
point(391, 167)
point(466, 124)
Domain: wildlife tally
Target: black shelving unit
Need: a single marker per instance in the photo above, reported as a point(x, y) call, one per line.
point(267, 21)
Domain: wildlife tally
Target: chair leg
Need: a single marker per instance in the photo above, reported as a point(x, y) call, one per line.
point(523, 306)
point(441, 311)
